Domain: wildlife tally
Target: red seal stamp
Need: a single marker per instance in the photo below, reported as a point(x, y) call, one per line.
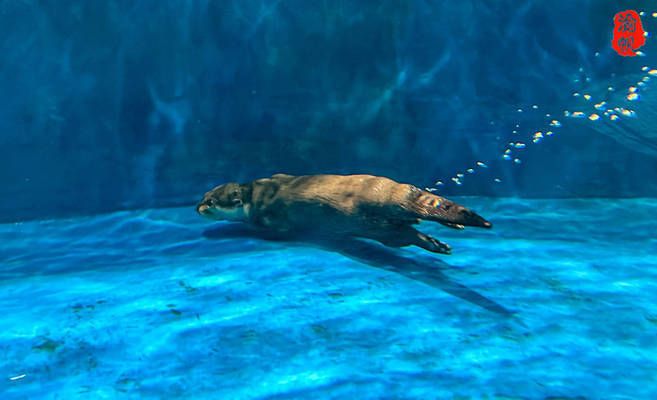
point(628, 33)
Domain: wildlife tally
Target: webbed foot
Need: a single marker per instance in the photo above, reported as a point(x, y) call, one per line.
point(409, 236)
point(432, 244)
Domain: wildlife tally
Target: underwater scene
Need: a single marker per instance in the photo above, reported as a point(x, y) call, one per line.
point(328, 199)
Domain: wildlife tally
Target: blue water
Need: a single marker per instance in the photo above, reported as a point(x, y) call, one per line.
point(117, 105)
point(558, 300)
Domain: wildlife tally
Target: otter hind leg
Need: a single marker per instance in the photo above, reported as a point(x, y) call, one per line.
point(409, 236)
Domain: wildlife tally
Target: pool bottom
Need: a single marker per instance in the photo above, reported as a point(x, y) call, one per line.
point(559, 299)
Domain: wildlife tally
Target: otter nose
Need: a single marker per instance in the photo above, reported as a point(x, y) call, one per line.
point(202, 208)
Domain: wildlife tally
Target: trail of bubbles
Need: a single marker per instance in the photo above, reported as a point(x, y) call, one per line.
point(599, 111)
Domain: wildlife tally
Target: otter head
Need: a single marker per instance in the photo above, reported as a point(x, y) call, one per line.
point(224, 203)
point(456, 216)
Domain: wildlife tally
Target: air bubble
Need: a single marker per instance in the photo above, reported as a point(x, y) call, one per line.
point(627, 113)
point(601, 107)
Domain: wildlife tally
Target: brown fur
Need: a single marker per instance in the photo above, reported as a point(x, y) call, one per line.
point(355, 205)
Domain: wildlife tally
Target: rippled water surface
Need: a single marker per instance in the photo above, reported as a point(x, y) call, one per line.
point(559, 299)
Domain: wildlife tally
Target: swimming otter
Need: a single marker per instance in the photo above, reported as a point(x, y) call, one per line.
point(364, 206)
